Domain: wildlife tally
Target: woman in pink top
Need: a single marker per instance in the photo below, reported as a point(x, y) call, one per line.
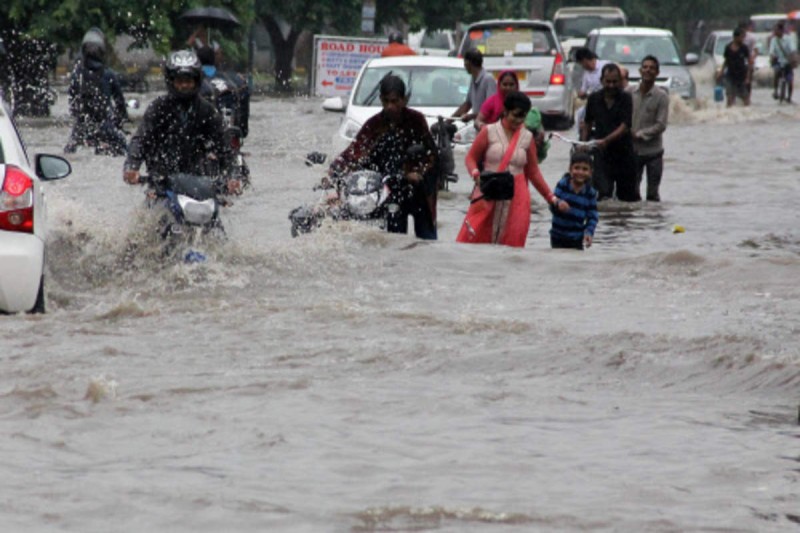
point(492, 108)
point(505, 221)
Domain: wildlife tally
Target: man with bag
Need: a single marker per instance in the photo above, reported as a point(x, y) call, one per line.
point(784, 59)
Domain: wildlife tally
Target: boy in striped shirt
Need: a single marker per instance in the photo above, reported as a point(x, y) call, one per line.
point(574, 228)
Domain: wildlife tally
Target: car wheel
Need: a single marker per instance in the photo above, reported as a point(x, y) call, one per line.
point(39, 306)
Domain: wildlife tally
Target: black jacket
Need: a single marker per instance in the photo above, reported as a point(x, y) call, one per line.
point(180, 135)
point(95, 93)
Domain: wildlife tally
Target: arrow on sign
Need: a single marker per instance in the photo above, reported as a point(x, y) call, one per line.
point(326, 83)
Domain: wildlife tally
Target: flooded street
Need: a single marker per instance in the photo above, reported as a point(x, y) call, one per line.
point(352, 380)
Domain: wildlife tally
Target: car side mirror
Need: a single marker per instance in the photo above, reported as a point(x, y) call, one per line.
point(692, 58)
point(335, 104)
point(52, 167)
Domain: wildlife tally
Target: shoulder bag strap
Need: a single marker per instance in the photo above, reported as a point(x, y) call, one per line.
point(512, 146)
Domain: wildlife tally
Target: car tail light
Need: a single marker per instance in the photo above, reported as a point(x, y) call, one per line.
point(557, 77)
point(235, 143)
point(16, 201)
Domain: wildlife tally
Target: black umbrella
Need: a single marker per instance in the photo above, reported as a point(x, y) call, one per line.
point(213, 17)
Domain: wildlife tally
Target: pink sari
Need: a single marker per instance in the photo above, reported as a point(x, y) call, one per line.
point(503, 221)
point(493, 107)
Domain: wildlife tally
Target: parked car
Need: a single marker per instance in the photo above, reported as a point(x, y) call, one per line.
point(712, 58)
point(765, 23)
point(531, 48)
point(433, 43)
point(23, 219)
point(573, 24)
point(436, 86)
point(629, 45)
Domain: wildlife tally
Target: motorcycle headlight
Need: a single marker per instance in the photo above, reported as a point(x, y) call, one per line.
point(350, 129)
point(363, 205)
point(196, 212)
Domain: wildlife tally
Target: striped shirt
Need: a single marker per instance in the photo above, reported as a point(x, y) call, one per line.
point(581, 219)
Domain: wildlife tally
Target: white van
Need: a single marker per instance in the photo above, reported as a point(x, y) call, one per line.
point(573, 24)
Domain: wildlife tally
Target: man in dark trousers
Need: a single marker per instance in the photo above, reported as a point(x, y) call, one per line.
point(609, 115)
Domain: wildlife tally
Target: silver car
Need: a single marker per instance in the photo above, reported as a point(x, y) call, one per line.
point(532, 50)
point(628, 45)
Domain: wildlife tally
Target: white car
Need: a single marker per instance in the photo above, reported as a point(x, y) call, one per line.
point(436, 87)
point(628, 45)
point(711, 57)
point(573, 24)
point(23, 220)
point(532, 50)
point(433, 43)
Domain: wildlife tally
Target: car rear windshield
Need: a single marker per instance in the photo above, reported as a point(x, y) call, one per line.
point(511, 40)
point(766, 24)
point(634, 48)
point(427, 86)
point(436, 39)
point(579, 27)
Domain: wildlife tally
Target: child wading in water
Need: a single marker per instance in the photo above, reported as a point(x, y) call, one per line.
point(575, 227)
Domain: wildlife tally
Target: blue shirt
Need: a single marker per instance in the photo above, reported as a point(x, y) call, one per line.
point(582, 217)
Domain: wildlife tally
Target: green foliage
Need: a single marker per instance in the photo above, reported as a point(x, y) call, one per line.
point(154, 22)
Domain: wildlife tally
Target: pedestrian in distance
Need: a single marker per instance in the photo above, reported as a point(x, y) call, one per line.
point(480, 89)
point(574, 227)
point(650, 115)
point(507, 151)
point(735, 70)
point(96, 102)
point(493, 107)
point(396, 46)
point(781, 53)
point(590, 79)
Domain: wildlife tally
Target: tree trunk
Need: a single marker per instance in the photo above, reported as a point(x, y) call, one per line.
point(283, 48)
point(538, 8)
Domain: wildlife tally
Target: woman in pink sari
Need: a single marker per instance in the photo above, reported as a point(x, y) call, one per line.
point(505, 145)
point(492, 108)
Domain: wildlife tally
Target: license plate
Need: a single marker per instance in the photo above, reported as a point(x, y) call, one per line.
point(522, 75)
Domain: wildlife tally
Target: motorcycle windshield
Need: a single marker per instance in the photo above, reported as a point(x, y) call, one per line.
point(197, 187)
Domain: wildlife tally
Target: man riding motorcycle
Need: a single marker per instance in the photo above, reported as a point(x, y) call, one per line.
point(181, 132)
point(96, 102)
point(384, 144)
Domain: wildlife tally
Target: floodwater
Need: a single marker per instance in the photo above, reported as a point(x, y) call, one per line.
point(352, 380)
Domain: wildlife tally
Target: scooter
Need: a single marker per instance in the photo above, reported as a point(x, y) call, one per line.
point(190, 207)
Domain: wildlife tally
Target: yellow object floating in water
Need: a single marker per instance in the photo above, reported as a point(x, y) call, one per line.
point(677, 228)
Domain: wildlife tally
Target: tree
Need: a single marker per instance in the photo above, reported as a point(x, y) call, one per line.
point(284, 20)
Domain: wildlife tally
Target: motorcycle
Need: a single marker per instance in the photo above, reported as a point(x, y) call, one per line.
point(233, 136)
point(363, 195)
point(190, 207)
point(443, 133)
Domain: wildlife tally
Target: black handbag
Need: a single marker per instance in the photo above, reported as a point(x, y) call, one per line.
point(497, 185)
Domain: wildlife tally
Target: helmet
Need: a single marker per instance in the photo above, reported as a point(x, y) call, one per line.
point(183, 64)
point(93, 44)
point(396, 37)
